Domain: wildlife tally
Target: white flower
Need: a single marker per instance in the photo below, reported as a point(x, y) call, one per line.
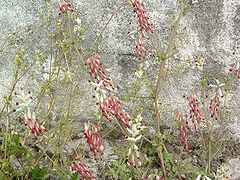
point(218, 87)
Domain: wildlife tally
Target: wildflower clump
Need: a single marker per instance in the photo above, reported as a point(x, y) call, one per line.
point(81, 169)
point(194, 116)
point(194, 113)
point(144, 26)
point(184, 130)
point(103, 87)
point(93, 139)
point(23, 105)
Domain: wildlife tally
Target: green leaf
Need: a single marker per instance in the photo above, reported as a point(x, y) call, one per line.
point(39, 173)
point(75, 176)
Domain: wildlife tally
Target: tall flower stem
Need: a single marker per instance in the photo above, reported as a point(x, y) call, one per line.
point(160, 78)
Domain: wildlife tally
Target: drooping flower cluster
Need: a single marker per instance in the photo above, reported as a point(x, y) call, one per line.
point(143, 19)
point(214, 108)
point(144, 26)
point(23, 105)
point(64, 6)
point(194, 116)
point(34, 124)
point(134, 135)
point(194, 113)
point(184, 130)
point(215, 102)
point(111, 106)
point(93, 139)
point(81, 169)
point(108, 104)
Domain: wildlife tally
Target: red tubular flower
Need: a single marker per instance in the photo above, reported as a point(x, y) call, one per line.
point(34, 124)
point(144, 26)
point(143, 19)
point(98, 73)
point(214, 106)
point(194, 112)
point(81, 169)
point(184, 131)
point(93, 139)
point(65, 6)
point(108, 104)
point(141, 50)
point(23, 105)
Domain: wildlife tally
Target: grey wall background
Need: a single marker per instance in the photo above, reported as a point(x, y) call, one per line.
point(212, 28)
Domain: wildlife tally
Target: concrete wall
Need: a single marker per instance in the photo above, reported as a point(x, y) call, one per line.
point(211, 27)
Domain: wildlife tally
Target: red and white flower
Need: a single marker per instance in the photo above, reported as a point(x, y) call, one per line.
point(64, 6)
point(81, 169)
point(23, 105)
point(93, 139)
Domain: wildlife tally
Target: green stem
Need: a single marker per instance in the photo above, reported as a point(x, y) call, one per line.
point(161, 76)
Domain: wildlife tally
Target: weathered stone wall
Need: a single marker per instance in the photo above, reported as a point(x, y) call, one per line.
point(212, 28)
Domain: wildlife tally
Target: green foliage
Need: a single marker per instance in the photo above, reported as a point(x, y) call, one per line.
point(39, 173)
point(186, 9)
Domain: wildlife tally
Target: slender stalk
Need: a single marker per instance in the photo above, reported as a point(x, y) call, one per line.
point(6, 106)
point(160, 78)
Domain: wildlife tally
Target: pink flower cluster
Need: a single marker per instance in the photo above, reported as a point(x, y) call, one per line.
point(23, 105)
point(81, 169)
point(93, 139)
point(34, 124)
point(144, 24)
point(108, 104)
point(194, 115)
point(64, 6)
point(214, 106)
point(99, 74)
point(143, 19)
point(184, 131)
point(194, 112)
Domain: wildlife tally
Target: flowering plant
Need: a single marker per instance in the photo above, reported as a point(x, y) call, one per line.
point(93, 139)
point(81, 169)
point(23, 105)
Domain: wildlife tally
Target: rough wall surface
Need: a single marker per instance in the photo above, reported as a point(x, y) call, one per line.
point(212, 28)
